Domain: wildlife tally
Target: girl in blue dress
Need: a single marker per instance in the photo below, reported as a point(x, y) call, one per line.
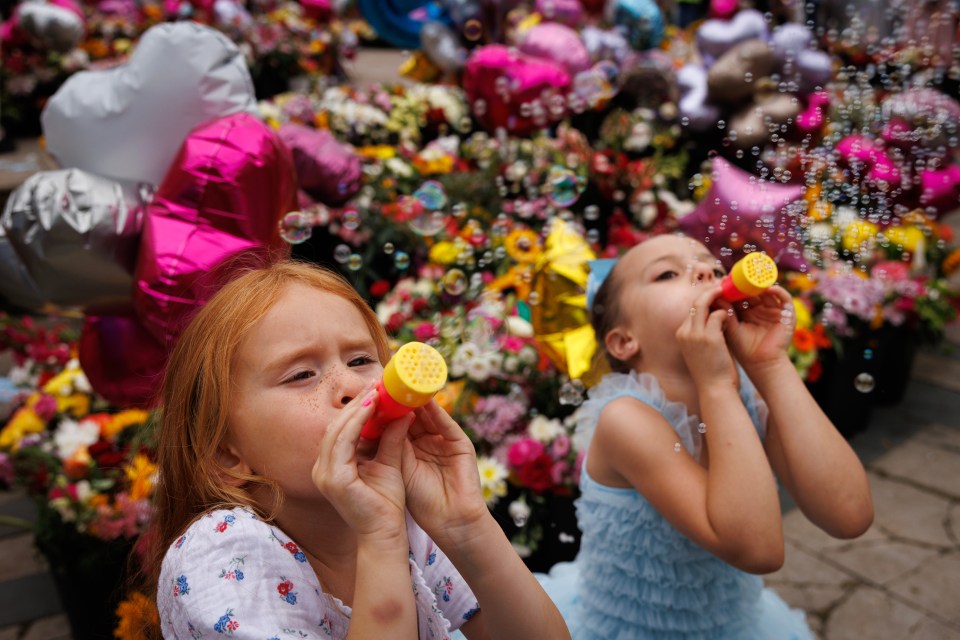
point(679, 507)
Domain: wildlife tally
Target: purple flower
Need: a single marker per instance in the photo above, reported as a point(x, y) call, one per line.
point(495, 417)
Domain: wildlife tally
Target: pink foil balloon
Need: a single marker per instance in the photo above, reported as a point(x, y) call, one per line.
point(327, 169)
point(227, 190)
point(811, 119)
point(859, 149)
point(740, 210)
point(940, 189)
point(122, 360)
point(559, 43)
point(499, 81)
point(723, 9)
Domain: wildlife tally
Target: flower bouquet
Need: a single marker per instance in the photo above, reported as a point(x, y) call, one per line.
point(87, 466)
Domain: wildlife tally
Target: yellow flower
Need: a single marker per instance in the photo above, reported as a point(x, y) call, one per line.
point(433, 166)
point(858, 233)
point(801, 282)
point(140, 473)
point(523, 245)
point(122, 420)
point(136, 614)
point(444, 252)
point(804, 319)
point(25, 421)
point(910, 238)
point(377, 151)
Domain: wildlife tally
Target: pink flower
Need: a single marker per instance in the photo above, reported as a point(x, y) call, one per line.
point(578, 467)
point(892, 270)
point(523, 451)
point(559, 471)
point(46, 407)
point(425, 331)
point(560, 446)
point(512, 344)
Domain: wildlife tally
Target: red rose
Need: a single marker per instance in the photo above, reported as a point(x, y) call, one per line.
point(379, 288)
point(285, 587)
point(535, 474)
point(106, 455)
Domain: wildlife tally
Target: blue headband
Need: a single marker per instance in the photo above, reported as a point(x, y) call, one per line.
point(599, 270)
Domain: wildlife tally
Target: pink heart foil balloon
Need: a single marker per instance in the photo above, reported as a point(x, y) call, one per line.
point(556, 42)
point(860, 150)
point(940, 188)
point(224, 196)
point(740, 213)
point(509, 89)
point(327, 169)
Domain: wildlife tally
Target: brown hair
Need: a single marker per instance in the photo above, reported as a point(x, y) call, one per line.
point(197, 395)
point(604, 316)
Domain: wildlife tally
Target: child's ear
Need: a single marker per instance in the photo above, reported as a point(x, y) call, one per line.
point(621, 344)
point(231, 465)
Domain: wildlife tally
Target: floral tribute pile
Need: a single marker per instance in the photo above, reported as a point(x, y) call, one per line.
point(480, 206)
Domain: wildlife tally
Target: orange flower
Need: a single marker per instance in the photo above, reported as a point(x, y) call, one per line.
point(803, 340)
point(952, 262)
point(77, 466)
point(137, 614)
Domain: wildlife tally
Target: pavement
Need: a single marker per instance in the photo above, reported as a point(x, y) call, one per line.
point(899, 581)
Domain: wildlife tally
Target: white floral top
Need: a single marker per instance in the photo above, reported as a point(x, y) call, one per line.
point(231, 574)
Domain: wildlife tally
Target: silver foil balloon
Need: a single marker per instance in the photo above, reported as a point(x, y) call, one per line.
point(442, 47)
point(70, 239)
point(56, 27)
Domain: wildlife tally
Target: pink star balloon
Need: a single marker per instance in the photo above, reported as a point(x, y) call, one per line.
point(742, 213)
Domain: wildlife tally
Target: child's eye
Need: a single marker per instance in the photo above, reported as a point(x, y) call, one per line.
point(718, 273)
point(359, 361)
point(666, 275)
point(300, 375)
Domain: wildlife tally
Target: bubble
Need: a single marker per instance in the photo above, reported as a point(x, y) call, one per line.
point(571, 393)
point(354, 262)
point(295, 227)
point(533, 299)
point(473, 29)
point(454, 282)
point(868, 354)
point(431, 195)
point(459, 210)
point(563, 186)
point(341, 253)
point(864, 382)
point(677, 447)
point(428, 223)
point(702, 428)
point(388, 248)
point(350, 219)
point(401, 259)
point(591, 212)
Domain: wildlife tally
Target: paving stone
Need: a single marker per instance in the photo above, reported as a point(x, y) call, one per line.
point(803, 568)
point(10, 633)
point(799, 530)
point(937, 370)
point(815, 599)
point(940, 436)
point(908, 513)
point(871, 613)
point(934, 586)
point(12, 495)
point(19, 558)
point(28, 598)
point(936, 468)
point(881, 561)
point(953, 523)
point(52, 628)
point(930, 629)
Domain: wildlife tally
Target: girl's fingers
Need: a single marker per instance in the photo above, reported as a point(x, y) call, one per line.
point(441, 422)
point(345, 430)
point(390, 449)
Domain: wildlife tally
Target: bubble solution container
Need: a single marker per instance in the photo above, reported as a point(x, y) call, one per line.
point(414, 374)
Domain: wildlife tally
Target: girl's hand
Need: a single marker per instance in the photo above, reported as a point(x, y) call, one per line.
point(440, 474)
point(367, 491)
point(702, 342)
point(760, 333)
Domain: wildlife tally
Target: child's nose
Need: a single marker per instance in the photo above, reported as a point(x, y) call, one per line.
point(702, 272)
point(351, 384)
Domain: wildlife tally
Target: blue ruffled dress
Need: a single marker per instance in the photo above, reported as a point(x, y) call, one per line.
point(638, 578)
